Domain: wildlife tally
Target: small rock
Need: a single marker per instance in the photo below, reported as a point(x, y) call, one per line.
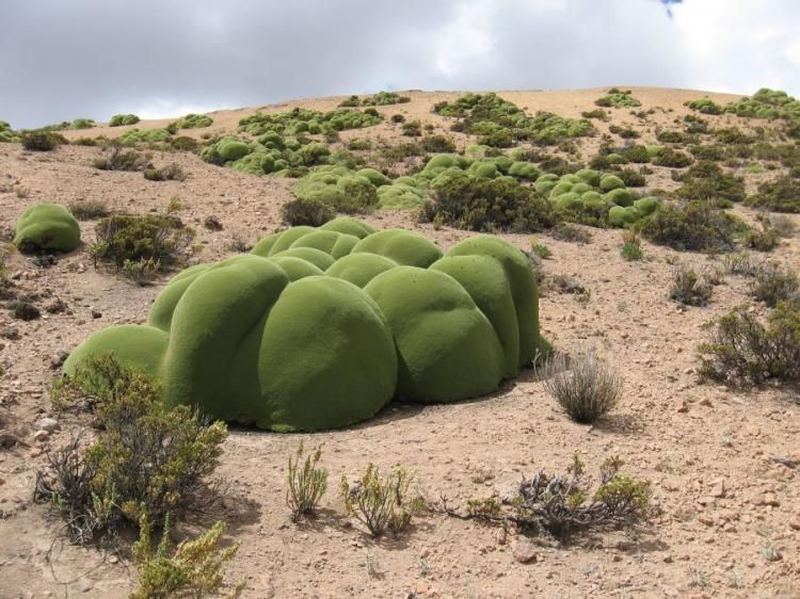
point(85, 585)
point(48, 424)
point(9, 332)
point(525, 552)
point(40, 436)
point(706, 519)
point(718, 488)
point(22, 310)
point(57, 306)
point(683, 408)
point(58, 359)
point(795, 524)
point(705, 402)
point(770, 499)
point(96, 313)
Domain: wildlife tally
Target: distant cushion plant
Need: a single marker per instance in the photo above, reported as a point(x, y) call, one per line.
point(47, 227)
point(319, 328)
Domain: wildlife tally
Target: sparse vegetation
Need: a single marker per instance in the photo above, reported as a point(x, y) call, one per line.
point(704, 105)
point(380, 504)
point(117, 158)
point(773, 284)
point(564, 504)
point(192, 121)
point(584, 387)
point(689, 288)
point(631, 249)
point(781, 195)
point(170, 172)
point(88, 209)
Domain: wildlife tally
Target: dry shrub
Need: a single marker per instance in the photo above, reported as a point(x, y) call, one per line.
point(564, 504)
point(772, 284)
point(689, 288)
point(744, 351)
point(583, 386)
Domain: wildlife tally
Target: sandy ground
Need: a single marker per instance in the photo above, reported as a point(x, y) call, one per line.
point(707, 450)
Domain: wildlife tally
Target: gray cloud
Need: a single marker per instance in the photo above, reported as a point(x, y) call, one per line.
point(71, 58)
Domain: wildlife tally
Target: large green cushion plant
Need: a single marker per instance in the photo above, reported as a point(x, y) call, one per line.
point(47, 227)
point(319, 328)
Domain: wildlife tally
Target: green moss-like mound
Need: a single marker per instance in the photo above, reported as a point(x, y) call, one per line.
point(319, 328)
point(47, 227)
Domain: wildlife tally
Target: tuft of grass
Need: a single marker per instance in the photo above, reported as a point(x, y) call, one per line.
point(631, 249)
point(305, 485)
point(88, 209)
point(583, 386)
point(380, 504)
point(541, 250)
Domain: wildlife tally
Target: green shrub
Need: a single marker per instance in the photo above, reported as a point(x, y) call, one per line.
point(41, 141)
point(599, 114)
point(123, 119)
point(148, 459)
point(584, 387)
point(196, 568)
point(688, 288)
point(632, 178)
point(704, 105)
point(46, 227)
point(82, 124)
point(618, 99)
point(667, 136)
point(309, 212)
point(380, 504)
point(541, 250)
point(398, 118)
point(488, 205)
point(156, 237)
point(744, 351)
point(672, 158)
point(695, 226)
point(306, 485)
point(146, 136)
point(766, 104)
point(781, 195)
point(339, 188)
point(412, 129)
point(193, 121)
point(184, 143)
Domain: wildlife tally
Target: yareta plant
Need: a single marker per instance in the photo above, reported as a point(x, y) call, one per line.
point(319, 328)
point(46, 227)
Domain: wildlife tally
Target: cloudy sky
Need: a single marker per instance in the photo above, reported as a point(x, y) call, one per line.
point(69, 58)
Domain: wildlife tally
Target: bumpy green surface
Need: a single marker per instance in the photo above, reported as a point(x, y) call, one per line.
point(319, 328)
point(47, 227)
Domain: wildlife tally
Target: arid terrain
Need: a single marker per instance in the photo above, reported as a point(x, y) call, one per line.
point(722, 462)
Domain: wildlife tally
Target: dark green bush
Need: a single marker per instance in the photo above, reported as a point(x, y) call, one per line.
point(672, 158)
point(695, 226)
point(631, 178)
point(398, 118)
point(705, 181)
point(184, 143)
point(438, 144)
point(781, 195)
point(618, 99)
point(489, 205)
point(307, 212)
point(412, 129)
point(764, 239)
point(744, 351)
point(704, 105)
point(117, 158)
point(41, 141)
